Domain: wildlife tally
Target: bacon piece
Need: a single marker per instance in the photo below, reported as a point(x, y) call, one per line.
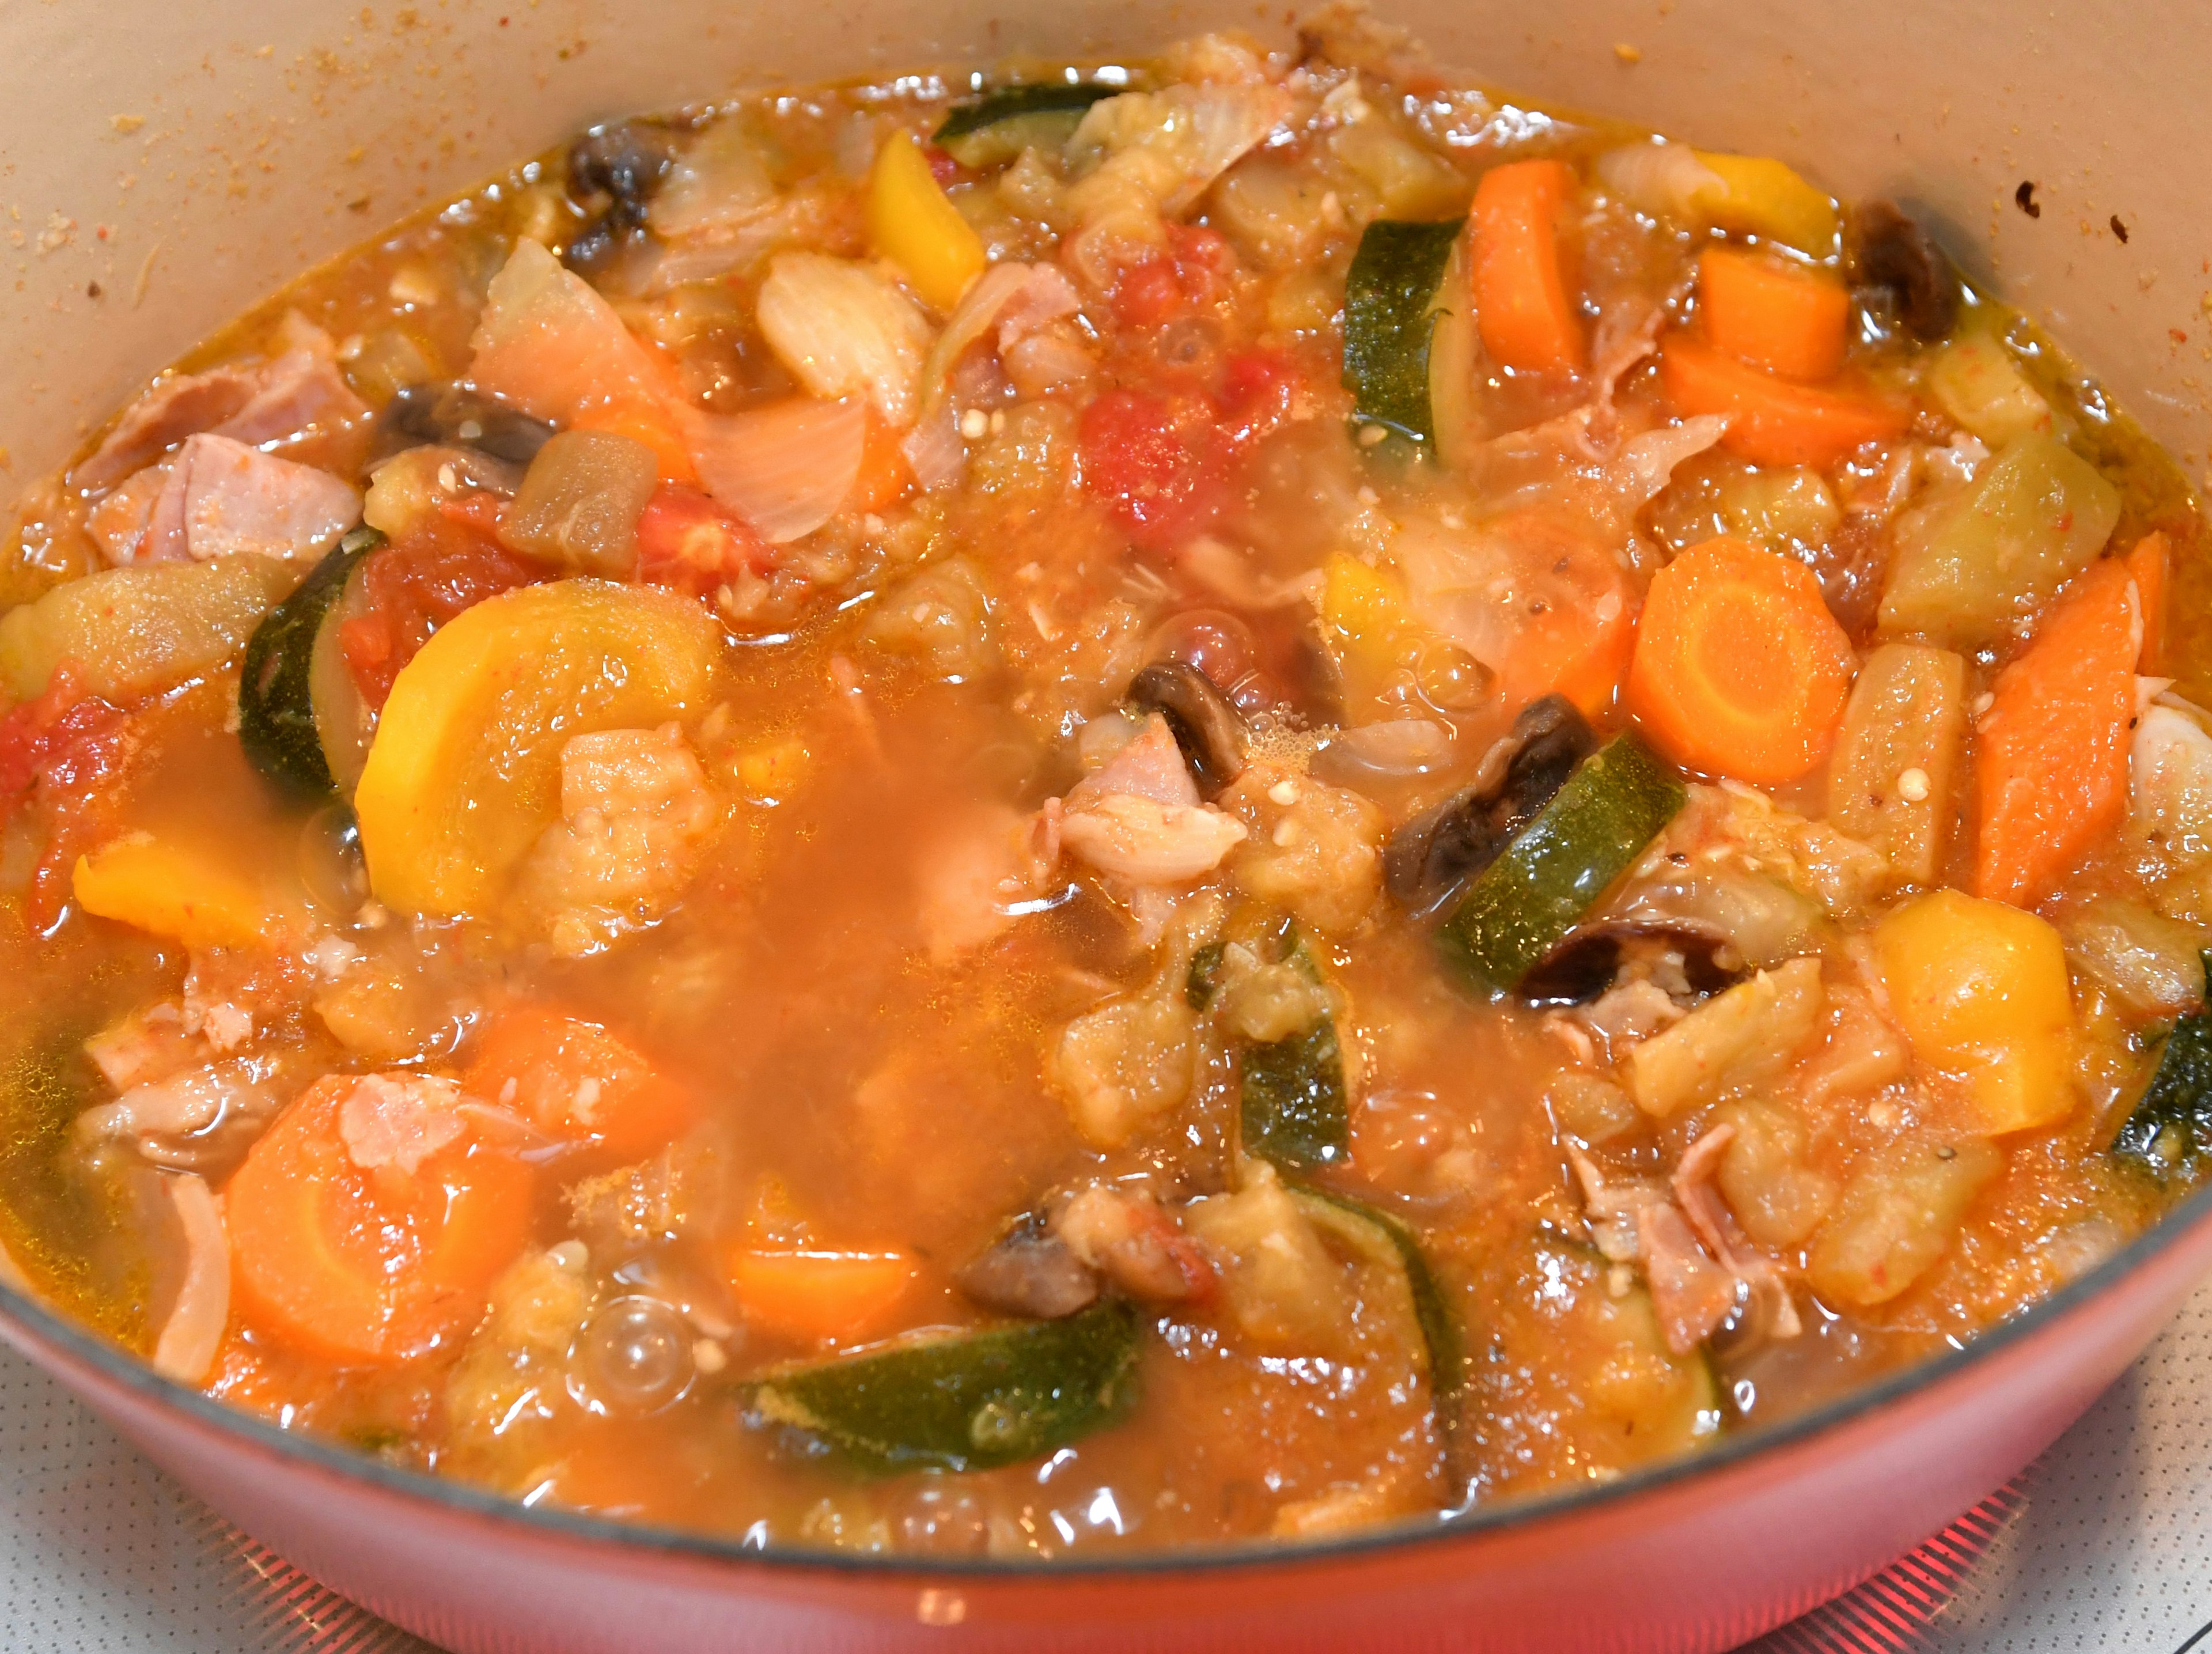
point(221, 498)
point(1716, 1226)
point(398, 1120)
point(1691, 1293)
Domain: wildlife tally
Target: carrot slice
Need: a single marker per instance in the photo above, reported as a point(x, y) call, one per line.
point(1577, 622)
point(884, 476)
point(356, 1264)
point(2050, 774)
point(1740, 669)
point(1775, 422)
point(818, 1296)
point(2151, 562)
point(1520, 303)
point(1783, 317)
point(575, 1080)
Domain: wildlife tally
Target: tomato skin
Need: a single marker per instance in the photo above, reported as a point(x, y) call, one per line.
point(1155, 461)
point(1193, 274)
point(1257, 389)
point(416, 585)
point(689, 544)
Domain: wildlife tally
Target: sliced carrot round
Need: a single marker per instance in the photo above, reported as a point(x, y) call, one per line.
point(575, 1080)
point(1740, 670)
point(1784, 317)
point(1773, 422)
point(817, 1296)
point(1522, 306)
point(379, 1263)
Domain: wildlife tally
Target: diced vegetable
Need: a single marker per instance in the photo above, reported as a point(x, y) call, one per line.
point(1774, 421)
point(2171, 1123)
point(579, 502)
point(999, 125)
point(136, 630)
point(1784, 317)
point(2151, 963)
point(817, 1295)
point(1412, 182)
point(787, 467)
point(1293, 1110)
point(2051, 768)
point(1520, 300)
point(1977, 381)
point(2170, 779)
point(1389, 318)
point(2151, 564)
point(1897, 1216)
point(1972, 564)
point(1784, 511)
point(1893, 779)
point(291, 654)
point(1777, 1197)
point(173, 890)
point(463, 774)
point(573, 1081)
point(1739, 1037)
point(1555, 869)
point(381, 1263)
point(971, 1402)
point(914, 224)
point(1382, 1239)
point(1982, 992)
point(1752, 195)
point(1740, 669)
point(844, 330)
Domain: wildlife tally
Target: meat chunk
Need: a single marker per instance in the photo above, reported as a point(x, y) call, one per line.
point(1691, 1293)
point(1767, 1293)
point(196, 1119)
point(220, 498)
point(637, 813)
point(1127, 1237)
point(296, 391)
point(1029, 1272)
point(1139, 818)
point(398, 1120)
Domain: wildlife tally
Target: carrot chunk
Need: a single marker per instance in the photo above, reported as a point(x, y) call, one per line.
point(1774, 421)
point(1740, 670)
point(1785, 318)
point(1520, 303)
point(575, 1080)
point(2051, 775)
point(817, 1296)
point(377, 1263)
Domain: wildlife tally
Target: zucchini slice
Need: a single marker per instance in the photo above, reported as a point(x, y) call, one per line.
point(278, 687)
point(1381, 1239)
point(1393, 297)
point(2172, 1122)
point(999, 125)
point(971, 1401)
point(1291, 1104)
point(1555, 868)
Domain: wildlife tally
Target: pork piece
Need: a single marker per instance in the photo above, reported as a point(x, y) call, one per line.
point(1692, 1294)
point(198, 1120)
point(976, 874)
point(1139, 817)
point(399, 1120)
point(289, 396)
point(1768, 1294)
point(1127, 1237)
point(637, 813)
point(220, 498)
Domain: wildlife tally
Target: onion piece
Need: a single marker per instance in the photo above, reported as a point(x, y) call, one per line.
point(717, 184)
point(1397, 747)
point(844, 330)
point(785, 468)
point(193, 1332)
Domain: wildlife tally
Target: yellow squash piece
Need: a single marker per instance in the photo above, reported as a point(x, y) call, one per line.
point(914, 224)
point(465, 772)
point(171, 890)
point(1982, 991)
point(1761, 195)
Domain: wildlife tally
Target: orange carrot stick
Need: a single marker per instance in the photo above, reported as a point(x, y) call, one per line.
point(817, 1296)
point(1785, 318)
point(1521, 307)
point(2050, 770)
point(575, 1080)
point(1740, 669)
point(1774, 421)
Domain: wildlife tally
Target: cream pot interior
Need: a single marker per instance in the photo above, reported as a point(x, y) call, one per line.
point(167, 161)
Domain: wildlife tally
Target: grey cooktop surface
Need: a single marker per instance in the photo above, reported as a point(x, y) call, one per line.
point(2105, 1548)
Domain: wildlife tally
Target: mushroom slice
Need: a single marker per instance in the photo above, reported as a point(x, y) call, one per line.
point(1211, 732)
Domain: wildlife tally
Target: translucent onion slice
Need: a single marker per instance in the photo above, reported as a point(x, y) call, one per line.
point(785, 468)
point(844, 330)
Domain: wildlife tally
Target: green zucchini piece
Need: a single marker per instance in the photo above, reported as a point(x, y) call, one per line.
point(1383, 1239)
point(1551, 871)
point(1291, 1105)
point(2172, 1122)
point(999, 125)
point(1390, 310)
point(971, 1402)
point(1203, 981)
point(276, 722)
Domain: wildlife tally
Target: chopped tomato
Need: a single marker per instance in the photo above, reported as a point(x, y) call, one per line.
point(1191, 275)
point(413, 586)
point(884, 476)
point(73, 748)
point(32, 734)
point(1257, 388)
point(689, 544)
point(1156, 461)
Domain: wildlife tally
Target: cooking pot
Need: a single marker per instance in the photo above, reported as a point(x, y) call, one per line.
point(169, 160)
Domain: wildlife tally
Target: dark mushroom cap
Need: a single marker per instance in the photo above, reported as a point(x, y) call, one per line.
point(1211, 732)
point(1586, 964)
point(1891, 252)
point(458, 417)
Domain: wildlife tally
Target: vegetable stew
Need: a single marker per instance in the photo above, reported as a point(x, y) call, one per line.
point(1123, 806)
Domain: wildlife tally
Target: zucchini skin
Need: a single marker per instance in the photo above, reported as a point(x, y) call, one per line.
point(1555, 868)
point(966, 135)
point(1389, 317)
point(2179, 1097)
point(1292, 1099)
point(276, 708)
point(972, 1402)
point(1439, 1328)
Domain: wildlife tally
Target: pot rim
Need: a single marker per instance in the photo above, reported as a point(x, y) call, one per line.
point(2189, 1220)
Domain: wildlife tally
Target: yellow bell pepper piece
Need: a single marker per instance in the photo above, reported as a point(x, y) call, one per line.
point(1982, 991)
point(465, 772)
point(169, 889)
point(1365, 611)
point(914, 224)
point(1760, 196)
point(774, 771)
